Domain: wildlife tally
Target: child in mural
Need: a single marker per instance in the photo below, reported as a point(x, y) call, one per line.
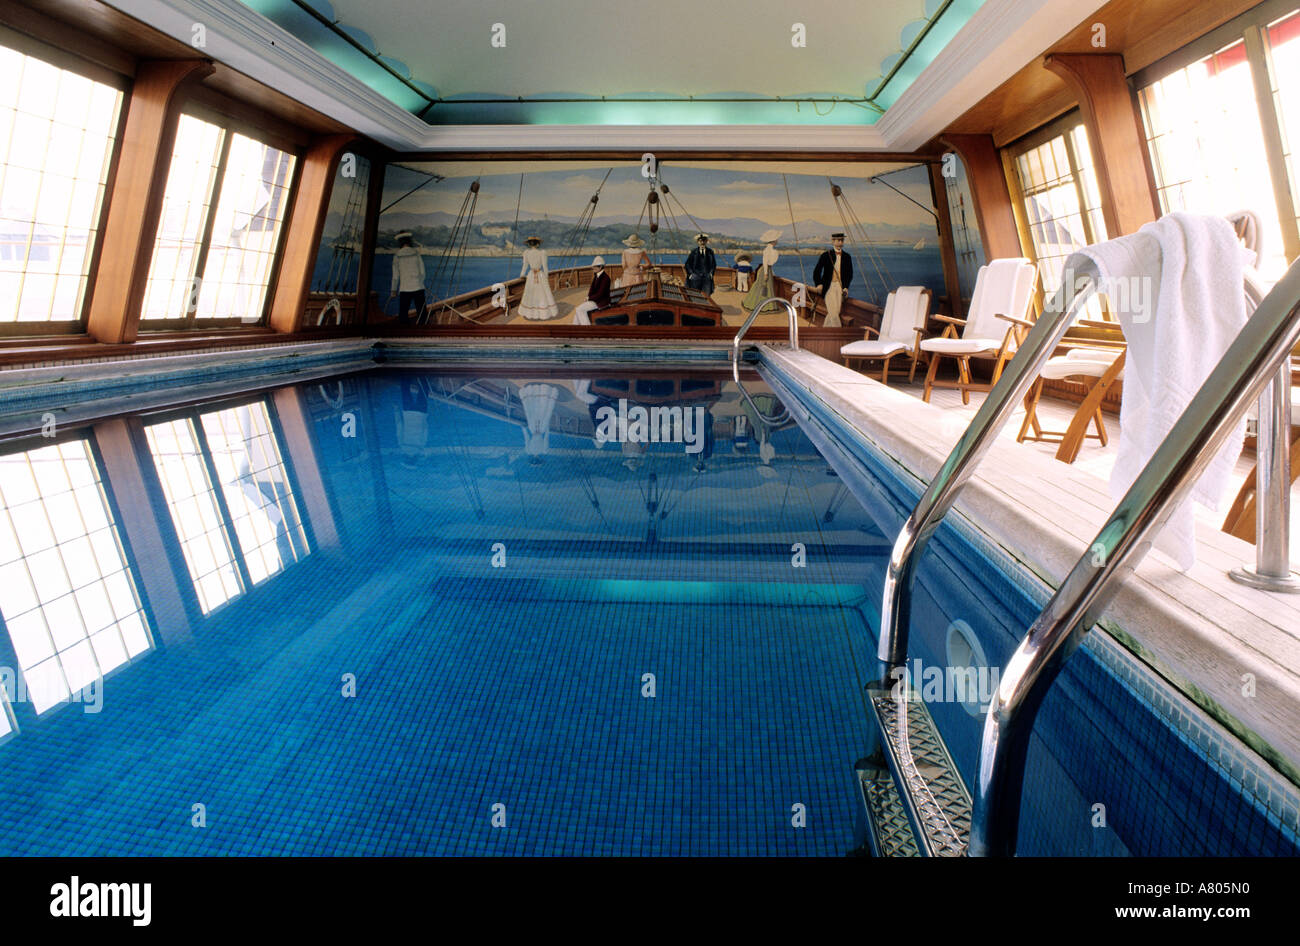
point(408, 278)
point(538, 304)
point(763, 282)
point(634, 262)
point(832, 276)
point(744, 266)
point(700, 266)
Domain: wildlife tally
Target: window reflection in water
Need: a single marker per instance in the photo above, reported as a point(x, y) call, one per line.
point(68, 598)
point(247, 530)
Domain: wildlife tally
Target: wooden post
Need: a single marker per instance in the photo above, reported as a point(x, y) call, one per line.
point(302, 236)
point(136, 195)
point(947, 250)
point(296, 425)
point(139, 524)
point(988, 188)
point(1115, 135)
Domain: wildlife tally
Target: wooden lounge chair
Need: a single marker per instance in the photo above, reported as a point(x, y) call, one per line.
point(1003, 290)
point(902, 326)
point(1099, 368)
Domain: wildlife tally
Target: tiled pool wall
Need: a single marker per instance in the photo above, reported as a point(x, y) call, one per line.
point(1111, 732)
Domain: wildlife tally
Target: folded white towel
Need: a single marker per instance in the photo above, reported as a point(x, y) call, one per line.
point(1176, 287)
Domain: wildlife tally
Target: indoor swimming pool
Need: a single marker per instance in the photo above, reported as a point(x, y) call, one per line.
point(466, 607)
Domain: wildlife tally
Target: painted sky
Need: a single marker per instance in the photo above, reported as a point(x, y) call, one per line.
point(713, 191)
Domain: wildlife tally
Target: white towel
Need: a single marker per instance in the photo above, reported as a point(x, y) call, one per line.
point(1176, 286)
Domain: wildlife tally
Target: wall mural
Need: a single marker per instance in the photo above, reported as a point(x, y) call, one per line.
point(448, 229)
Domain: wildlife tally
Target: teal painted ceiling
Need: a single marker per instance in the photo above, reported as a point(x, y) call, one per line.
point(659, 62)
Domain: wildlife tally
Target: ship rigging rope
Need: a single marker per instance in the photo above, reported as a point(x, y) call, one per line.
point(858, 236)
point(514, 235)
point(456, 243)
point(576, 238)
point(795, 230)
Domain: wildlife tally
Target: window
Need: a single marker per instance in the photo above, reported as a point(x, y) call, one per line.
point(225, 482)
point(1059, 197)
point(223, 207)
point(69, 602)
point(1282, 42)
point(1207, 146)
point(57, 131)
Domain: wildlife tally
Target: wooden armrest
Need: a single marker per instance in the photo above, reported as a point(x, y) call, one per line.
point(1023, 323)
point(948, 318)
point(871, 331)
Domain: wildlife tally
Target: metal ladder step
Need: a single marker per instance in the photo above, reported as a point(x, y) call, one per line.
point(915, 799)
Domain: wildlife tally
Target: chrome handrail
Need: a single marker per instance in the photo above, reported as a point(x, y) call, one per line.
point(1272, 569)
point(735, 342)
point(1254, 360)
point(1017, 377)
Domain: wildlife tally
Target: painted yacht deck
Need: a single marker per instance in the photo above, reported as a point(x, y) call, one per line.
point(1199, 629)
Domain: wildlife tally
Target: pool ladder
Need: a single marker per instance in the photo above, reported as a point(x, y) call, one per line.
point(916, 801)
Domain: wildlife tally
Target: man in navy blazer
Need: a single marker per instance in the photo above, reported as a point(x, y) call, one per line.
point(832, 276)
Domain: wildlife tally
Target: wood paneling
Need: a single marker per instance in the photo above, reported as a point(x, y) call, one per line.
point(303, 231)
point(1142, 31)
point(947, 251)
point(988, 185)
point(1114, 134)
point(148, 134)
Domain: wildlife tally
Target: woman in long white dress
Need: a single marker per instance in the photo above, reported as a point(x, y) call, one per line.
point(763, 285)
point(538, 303)
point(634, 262)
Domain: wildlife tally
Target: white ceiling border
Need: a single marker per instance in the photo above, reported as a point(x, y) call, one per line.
point(989, 49)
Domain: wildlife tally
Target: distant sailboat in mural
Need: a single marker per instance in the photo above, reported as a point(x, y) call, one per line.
point(920, 244)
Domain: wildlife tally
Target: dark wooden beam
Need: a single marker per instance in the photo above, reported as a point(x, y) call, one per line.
point(1119, 150)
point(988, 187)
point(136, 195)
point(303, 231)
point(947, 248)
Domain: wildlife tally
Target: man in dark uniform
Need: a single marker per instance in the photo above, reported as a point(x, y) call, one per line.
point(832, 276)
point(700, 266)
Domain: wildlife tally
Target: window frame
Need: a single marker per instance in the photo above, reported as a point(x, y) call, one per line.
point(1059, 127)
point(210, 108)
point(1249, 28)
point(194, 412)
point(62, 59)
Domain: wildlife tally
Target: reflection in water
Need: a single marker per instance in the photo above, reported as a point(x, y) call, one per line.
point(250, 529)
point(69, 602)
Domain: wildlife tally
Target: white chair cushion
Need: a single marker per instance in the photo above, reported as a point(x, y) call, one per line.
point(1058, 368)
point(871, 348)
point(961, 346)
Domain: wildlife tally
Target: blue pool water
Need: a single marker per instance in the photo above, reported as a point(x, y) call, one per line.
point(416, 610)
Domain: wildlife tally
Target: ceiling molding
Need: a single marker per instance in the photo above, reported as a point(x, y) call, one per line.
point(983, 55)
point(253, 45)
point(651, 138)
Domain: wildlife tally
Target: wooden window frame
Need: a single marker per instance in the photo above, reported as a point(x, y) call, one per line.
point(232, 119)
point(62, 59)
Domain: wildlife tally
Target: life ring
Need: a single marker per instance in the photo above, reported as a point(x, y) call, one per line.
point(337, 306)
point(335, 403)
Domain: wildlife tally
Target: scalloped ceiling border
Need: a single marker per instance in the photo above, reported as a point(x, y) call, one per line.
point(983, 55)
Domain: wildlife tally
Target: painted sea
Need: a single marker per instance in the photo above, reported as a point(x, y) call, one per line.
point(901, 265)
